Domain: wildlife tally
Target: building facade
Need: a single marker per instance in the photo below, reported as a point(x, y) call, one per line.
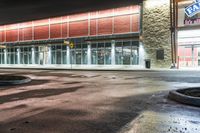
point(119, 38)
point(188, 35)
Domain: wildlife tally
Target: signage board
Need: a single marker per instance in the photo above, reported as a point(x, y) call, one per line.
point(193, 9)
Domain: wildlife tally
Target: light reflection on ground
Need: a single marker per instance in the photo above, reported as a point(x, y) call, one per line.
point(97, 102)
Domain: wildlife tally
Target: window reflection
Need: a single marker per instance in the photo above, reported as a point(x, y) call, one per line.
point(79, 54)
point(126, 53)
point(58, 54)
point(101, 53)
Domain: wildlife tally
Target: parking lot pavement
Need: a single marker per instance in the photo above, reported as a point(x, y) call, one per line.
point(97, 102)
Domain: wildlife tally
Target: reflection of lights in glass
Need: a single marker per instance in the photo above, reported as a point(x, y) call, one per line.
point(189, 37)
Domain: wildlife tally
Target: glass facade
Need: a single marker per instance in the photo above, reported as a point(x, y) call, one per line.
point(100, 53)
point(26, 55)
point(127, 53)
point(12, 56)
point(79, 54)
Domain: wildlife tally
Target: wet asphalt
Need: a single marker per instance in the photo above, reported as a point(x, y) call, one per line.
point(61, 101)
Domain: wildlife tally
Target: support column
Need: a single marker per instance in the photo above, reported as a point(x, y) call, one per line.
point(141, 54)
point(113, 52)
point(89, 54)
point(33, 55)
point(68, 55)
point(156, 34)
point(49, 55)
point(5, 55)
point(18, 56)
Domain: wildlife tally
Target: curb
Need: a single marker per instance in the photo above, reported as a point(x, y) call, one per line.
point(15, 82)
point(185, 99)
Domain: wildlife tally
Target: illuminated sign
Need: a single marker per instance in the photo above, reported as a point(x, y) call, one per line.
point(193, 9)
point(192, 21)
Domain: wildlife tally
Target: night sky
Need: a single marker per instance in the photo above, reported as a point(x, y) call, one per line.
point(13, 11)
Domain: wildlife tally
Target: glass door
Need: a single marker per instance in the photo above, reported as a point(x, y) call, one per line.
point(185, 56)
point(189, 56)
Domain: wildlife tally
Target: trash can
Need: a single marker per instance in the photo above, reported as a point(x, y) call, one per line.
point(147, 63)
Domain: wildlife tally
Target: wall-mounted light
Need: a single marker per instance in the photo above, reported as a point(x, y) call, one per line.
point(155, 3)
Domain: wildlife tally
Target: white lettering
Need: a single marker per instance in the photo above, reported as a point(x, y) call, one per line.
point(189, 10)
point(195, 8)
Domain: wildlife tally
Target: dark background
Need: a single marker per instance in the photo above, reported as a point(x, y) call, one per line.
point(13, 11)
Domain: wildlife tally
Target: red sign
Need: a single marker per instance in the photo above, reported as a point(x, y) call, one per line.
point(192, 21)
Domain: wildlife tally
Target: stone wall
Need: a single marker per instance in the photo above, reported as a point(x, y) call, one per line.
point(156, 31)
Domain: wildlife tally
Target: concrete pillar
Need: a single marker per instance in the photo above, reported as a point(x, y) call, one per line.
point(49, 55)
point(141, 54)
point(89, 54)
point(5, 56)
point(18, 56)
point(113, 52)
point(68, 55)
point(33, 55)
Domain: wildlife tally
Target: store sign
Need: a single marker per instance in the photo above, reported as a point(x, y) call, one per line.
point(192, 21)
point(193, 9)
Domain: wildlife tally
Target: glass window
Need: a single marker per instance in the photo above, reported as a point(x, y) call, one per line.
point(59, 47)
point(101, 54)
point(94, 45)
point(11, 55)
point(78, 46)
point(2, 56)
point(64, 54)
point(25, 55)
point(53, 57)
point(64, 47)
point(94, 53)
point(12, 60)
point(36, 48)
point(84, 55)
point(118, 53)
point(84, 45)
point(73, 56)
point(108, 53)
point(78, 56)
point(16, 56)
point(58, 56)
point(135, 56)
point(36, 57)
point(64, 57)
point(126, 53)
